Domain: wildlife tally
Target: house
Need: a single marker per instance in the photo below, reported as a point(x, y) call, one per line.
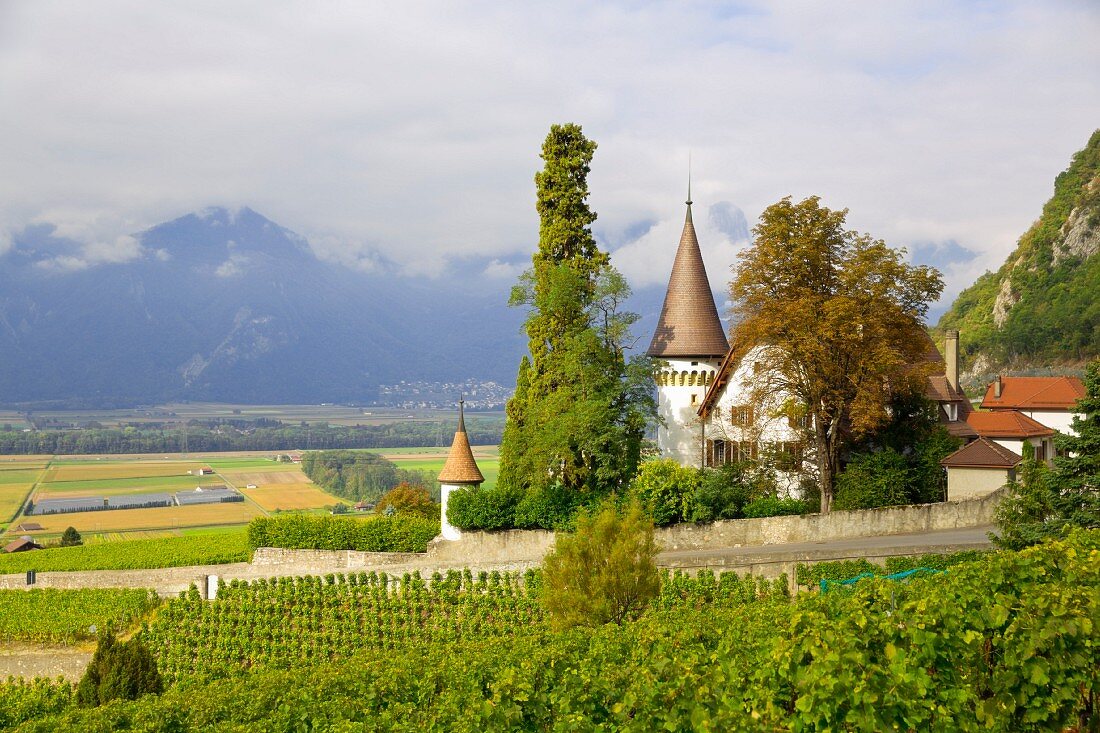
point(28, 527)
point(1012, 429)
point(1048, 400)
point(979, 468)
point(23, 544)
point(718, 404)
point(202, 472)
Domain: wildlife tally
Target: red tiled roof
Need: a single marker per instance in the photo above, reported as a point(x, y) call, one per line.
point(23, 543)
point(689, 323)
point(1007, 424)
point(1035, 393)
point(982, 453)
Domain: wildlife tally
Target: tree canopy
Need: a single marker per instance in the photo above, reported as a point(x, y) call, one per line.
point(840, 314)
point(579, 412)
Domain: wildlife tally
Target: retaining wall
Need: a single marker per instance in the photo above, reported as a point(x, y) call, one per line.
point(532, 545)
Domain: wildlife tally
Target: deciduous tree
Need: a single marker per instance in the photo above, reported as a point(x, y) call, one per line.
point(605, 572)
point(841, 314)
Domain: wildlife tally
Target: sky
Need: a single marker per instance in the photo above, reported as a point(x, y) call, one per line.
point(406, 135)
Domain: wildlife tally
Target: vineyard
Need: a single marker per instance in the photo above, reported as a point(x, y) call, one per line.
point(161, 552)
point(1006, 642)
point(47, 616)
point(288, 622)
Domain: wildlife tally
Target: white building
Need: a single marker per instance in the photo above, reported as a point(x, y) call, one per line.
point(1048, 400)
point(459, 472)
point(691, 341)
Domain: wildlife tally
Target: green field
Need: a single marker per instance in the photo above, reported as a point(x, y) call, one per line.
point(117, 486)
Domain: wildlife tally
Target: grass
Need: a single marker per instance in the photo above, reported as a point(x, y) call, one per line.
point(230, 463)
point(19, 476)
point(107, 487)
point(119, 470)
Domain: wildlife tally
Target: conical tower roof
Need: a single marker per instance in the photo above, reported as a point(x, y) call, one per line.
point(689, 324)
point(461, 468)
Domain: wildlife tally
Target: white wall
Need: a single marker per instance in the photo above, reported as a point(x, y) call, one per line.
point(680, 389)
point(448, 530)
point(749, 385)
point(974, 483)
point(1058, 420)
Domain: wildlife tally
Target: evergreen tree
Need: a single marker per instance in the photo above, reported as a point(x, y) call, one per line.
point(579, 412)
point(71, 538)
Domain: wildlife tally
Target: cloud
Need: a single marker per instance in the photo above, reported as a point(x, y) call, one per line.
point(5, 242)
point(720, 228)
point(417, 129)
point(233, 267)
point(500, 270)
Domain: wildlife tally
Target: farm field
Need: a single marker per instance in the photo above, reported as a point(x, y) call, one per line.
point(16, 482)
point(88, 471)
point(431, 460)
point(174, 517)
point(289, 496)
point(121, 486)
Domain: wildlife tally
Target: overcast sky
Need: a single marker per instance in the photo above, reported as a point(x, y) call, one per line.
point(410, 132)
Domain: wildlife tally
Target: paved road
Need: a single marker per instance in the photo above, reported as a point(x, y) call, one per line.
point(952, 540)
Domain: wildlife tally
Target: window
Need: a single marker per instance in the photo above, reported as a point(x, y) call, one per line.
point(719, 453)
point(798, 422)
point(952, 411)
point(742, 415)
point(694, 398)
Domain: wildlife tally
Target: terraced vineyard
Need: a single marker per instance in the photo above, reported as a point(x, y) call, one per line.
point(64, 616)
point(162, 552)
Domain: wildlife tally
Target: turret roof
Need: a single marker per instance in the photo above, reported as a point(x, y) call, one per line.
point(461, 468)
point(689, 324)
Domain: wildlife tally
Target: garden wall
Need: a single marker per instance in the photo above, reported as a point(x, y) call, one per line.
point(531, 545)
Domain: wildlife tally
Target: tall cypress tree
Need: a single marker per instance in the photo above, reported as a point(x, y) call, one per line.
point(578, 414)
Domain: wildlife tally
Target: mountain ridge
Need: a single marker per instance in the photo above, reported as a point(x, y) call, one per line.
point(1041, 308)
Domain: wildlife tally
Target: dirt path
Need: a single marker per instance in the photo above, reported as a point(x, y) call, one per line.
point(28, 661)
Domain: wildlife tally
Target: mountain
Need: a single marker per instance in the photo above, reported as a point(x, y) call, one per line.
point(1042, 307)
point(229, 306)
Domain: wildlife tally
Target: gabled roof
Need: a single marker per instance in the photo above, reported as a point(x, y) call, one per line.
point(982, 453)
point(21, 544)
point(461, 468)
point(1035, 393)
point(1007, 424)
point(689, 323)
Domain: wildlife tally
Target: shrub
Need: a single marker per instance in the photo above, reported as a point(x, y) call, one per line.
point(311, 532)
point(665, 489)
point(551, 507)
point(475, 508)
point(812, 575)
point(722, 494)
point(605, 571)
point(408, 499)
point(771, 506)
point(873, 480)
point(71, 538)
point(118, 671)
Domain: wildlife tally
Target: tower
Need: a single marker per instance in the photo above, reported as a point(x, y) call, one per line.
point(690, 339)
point(458, 472)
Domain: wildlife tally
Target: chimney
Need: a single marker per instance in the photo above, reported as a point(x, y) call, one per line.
point(951, 357)
point(997, 386)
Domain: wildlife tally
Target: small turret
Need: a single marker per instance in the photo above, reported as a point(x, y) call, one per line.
point(458, 472)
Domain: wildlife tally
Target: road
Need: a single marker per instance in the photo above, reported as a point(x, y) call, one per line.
point(945, 541)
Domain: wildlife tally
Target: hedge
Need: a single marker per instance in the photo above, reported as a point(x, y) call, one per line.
point(399, 533)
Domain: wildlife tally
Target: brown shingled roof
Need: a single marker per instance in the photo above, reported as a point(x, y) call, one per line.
point(1007, 424)
point(461, 468)
point(982, 453)
point(689, 323)
point(1035, 393)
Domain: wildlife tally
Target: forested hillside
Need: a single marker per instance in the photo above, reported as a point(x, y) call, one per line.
point(1042, 307)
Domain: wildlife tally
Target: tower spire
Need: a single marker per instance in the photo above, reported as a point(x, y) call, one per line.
point(460, 467)
point(688, 202)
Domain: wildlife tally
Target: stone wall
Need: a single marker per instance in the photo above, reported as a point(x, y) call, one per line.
point(349, 559)
point(532, 545)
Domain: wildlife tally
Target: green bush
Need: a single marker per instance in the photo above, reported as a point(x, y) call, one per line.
point(475, 508)
point(665, 489)
point(606, 572)
point(118, 671)
point(722, 493)
point(771, 506)
point(551, 507)
point(873, 480)
point(936, 562)
point(399, 533)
